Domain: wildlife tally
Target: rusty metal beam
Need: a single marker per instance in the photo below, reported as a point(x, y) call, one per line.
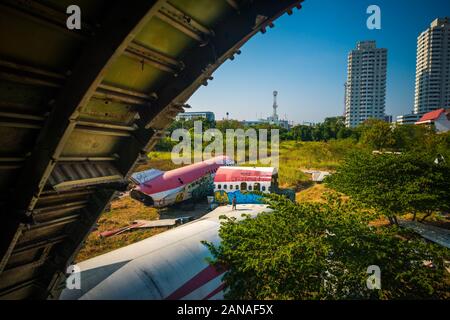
point(23, 79)
point(31, 69)
point(23, 116)
point(54, 223)
point(11, 163)
point(6, 294)
point(19, 124)
point(20, 120)
point(90, 159)
point(103, 125)
point(182, 22)
point(103, 131)
point(173, 11)
point(39, 244)
point(153, 54)
point(108, 95)
point(37, 263)
point(125, 19)
point(79, 233)
point(146, 60)
point(127, 92)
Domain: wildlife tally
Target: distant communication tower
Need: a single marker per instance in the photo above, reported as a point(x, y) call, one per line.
point(275, 105)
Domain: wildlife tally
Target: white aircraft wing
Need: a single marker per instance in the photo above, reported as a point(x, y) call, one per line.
point(144, 176)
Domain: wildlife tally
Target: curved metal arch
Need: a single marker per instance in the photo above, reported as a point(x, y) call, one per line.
point(67, 178)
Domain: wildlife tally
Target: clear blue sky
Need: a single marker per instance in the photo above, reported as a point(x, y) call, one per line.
point(304, 58)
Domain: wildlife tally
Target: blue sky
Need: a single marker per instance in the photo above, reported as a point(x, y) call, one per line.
point(304, 58)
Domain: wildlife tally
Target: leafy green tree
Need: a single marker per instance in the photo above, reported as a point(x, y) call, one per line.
point(394, 184)
point(377, 134)
point(410, 137)
point(322, 251)
point(223, 125)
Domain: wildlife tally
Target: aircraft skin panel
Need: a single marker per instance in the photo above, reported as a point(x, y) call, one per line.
point(170, 265)
point(159, 273)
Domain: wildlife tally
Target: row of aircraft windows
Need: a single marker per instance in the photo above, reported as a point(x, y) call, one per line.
point(243, 186)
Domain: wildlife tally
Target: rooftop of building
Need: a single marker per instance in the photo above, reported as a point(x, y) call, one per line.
point(432, 115)
point(440, 21)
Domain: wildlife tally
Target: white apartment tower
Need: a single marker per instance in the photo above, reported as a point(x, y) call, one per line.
point(365, 89)
point(433, 67)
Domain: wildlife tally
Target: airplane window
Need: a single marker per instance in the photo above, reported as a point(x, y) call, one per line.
point(243, 186)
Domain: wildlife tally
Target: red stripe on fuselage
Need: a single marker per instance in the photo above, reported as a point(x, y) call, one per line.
point(201, 278)
point(214, 292)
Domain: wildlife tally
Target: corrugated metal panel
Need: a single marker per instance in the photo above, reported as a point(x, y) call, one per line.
point(73, 175)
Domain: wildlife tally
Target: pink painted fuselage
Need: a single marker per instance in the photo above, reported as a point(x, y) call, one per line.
point(160, 189)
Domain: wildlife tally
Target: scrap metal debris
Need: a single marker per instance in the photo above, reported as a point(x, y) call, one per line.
point(141, 224)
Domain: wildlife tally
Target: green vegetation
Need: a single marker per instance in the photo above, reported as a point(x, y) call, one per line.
point(395, 184)
point(322, 251)
point(320, 247)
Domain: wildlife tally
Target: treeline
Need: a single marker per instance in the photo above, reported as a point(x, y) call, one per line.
point(372, 134)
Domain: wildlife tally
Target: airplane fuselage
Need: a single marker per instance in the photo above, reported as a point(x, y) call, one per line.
point(167, 188)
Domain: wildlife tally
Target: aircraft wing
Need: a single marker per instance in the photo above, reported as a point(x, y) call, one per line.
point(144, 176)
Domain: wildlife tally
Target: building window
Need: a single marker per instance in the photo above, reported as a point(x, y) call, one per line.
point(263, 188)
point(243, 186)
point(257, 187)
point(250, 188)
point(219, 186)
point(225, 186)
point(237, 187)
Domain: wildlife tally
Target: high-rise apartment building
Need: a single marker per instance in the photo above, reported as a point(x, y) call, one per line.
point(433, 67)
point(365, 89)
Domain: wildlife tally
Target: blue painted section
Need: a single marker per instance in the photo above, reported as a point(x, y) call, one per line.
point(241, 197)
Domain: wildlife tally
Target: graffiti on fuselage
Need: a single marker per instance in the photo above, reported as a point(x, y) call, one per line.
point(223, 197)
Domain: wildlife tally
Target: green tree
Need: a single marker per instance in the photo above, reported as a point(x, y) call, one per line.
point(394, 184)
point(377, 134)
point(410, 137)
point(223, 125)
point(312, 251)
